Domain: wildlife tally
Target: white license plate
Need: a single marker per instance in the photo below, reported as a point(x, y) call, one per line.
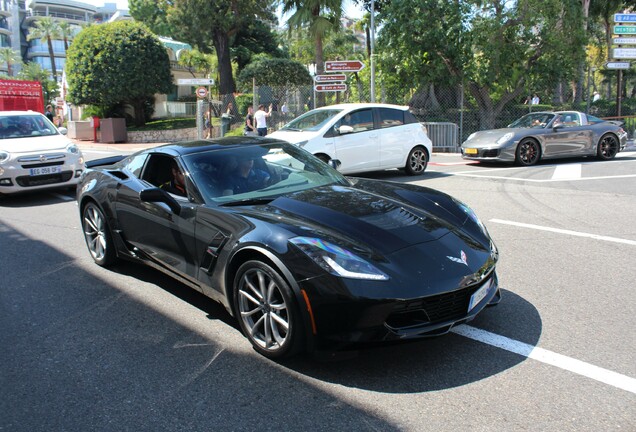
point(45, 170)
point(479, 295)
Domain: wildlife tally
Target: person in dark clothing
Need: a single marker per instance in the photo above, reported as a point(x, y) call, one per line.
point(176, 185)
point(49, 113)
point(245, 178)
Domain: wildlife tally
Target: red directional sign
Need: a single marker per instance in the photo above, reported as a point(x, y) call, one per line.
point(330, 87)
point(330, 78)
point(344, 66)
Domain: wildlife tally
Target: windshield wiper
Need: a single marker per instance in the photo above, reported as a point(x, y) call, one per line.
point(247, 201)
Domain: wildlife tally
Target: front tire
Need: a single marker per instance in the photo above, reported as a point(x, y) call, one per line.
point(528, 152)
point(417, 161)
point(608, 147)
point(97, 235)
point(266, 310)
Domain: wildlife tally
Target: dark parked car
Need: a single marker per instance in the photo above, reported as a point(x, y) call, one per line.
point(547, 135)
point(302, 256)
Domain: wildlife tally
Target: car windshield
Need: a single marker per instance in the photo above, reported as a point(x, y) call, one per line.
point(533, 120)
point(312, 120)
point(257, 174)
point(25, 125)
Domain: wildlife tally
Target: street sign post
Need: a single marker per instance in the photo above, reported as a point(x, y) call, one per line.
point(344, 66)
point(617, 65)
point(625, 17)
point(330, 87)
point(195, 81)
point(624, 41)
point(624, 29)
point(330, 78)
point(624, 53)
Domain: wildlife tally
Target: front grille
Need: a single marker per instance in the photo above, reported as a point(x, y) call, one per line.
point(439, 308)
point(27, 181)
point(490, 153)
point(45, 164)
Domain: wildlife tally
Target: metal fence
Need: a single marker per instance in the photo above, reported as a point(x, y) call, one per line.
point(450, 113)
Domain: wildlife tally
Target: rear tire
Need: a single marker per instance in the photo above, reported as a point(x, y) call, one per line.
point(608, 147)
point(417, 161)
point(267, 311)
point(97, 235)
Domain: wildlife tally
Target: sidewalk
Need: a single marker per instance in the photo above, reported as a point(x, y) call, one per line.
point(126, 147)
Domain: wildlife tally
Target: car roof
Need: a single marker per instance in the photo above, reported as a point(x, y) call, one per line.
point(197, 146)
point(351, 106)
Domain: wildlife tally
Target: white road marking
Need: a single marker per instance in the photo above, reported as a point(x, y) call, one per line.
point(567, 232)
point(567, 363)
point(567, 172)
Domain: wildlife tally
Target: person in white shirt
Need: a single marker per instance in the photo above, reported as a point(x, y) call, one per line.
point(535, 100)
point(261, 119)
point(596, 96)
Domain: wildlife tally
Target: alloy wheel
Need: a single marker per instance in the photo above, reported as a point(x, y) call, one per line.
point(263, 310)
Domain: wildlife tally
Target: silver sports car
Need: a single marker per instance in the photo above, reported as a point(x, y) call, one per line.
point(547, 135)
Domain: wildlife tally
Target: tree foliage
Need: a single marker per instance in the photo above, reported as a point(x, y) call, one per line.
point(32, 71)
point(117, 62)
point(46, 29)
point(496, 49)
point(207, 25)
point(274, 72)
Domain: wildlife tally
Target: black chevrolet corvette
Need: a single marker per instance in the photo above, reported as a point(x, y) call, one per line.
point(302, 256)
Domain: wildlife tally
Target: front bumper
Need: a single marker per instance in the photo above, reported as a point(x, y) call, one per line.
point(343, 321)
point(40, 171)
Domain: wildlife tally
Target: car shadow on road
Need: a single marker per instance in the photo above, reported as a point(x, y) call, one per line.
point(423, 365)
point(37, 198)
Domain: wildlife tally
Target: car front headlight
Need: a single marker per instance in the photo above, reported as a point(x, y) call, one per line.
point(472, 215)
point(72, 148)
point(471, 136)
point(336, 260)
point(506, 137)
point(4, 156)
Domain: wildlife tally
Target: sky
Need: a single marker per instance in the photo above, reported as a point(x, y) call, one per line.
point(350, 9)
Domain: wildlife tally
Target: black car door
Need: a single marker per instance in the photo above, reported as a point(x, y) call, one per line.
point(157, 231)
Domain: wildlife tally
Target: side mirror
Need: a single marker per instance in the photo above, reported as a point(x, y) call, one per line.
point(335, 163)
point(63, 130)
point(160, 195)
point(557, 125)
point(344, 129)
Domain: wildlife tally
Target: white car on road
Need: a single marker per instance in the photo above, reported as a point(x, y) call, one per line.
point(363, 137)
point(35, 155)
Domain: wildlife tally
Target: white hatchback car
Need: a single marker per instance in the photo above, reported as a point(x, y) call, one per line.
point(35, 155)
point(363, 137)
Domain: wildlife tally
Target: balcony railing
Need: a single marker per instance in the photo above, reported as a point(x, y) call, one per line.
point(62, 15)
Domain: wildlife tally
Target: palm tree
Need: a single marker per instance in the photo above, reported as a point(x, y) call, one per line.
point(46, 30)
point(66, 32)
point(9, 56)
point(319, 17)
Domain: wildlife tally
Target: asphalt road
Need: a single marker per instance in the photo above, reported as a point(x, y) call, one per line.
point(87, 348)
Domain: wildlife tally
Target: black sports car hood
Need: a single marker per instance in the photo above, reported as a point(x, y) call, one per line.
point(385, 216)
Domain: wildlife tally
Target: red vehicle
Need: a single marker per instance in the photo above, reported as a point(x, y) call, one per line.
point(16, 95)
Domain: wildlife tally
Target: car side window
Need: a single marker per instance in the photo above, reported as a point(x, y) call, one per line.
point(136, 163)
point(570, 119)
point(390, 117)
point(360, 121)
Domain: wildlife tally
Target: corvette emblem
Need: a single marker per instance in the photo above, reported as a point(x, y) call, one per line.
point(461, 259)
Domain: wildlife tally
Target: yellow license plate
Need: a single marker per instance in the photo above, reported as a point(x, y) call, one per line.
point(471, 151)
